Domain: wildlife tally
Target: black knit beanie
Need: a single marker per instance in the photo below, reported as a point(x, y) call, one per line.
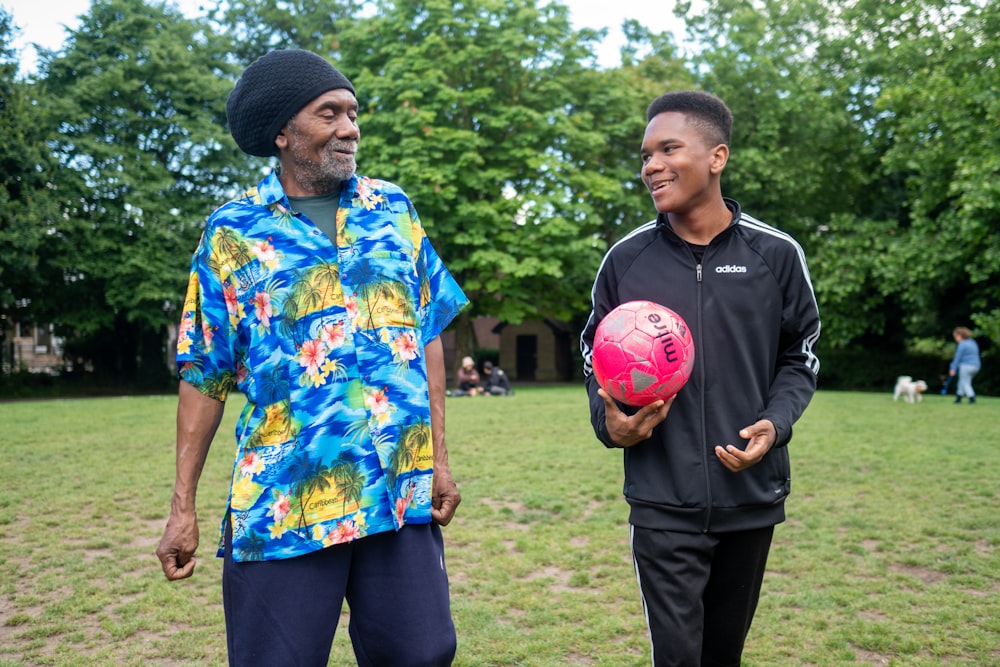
point(274, 88)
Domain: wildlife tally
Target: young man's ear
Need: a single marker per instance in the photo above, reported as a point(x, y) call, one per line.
point(720, 156)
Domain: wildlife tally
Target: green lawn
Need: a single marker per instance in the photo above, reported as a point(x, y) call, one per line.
point(889, 556)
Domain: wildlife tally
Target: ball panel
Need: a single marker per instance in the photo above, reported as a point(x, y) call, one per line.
point(607, 363)
point(637, 347)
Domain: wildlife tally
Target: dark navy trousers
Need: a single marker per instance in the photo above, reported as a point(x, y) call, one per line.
point(699, 592)
point(284, 613)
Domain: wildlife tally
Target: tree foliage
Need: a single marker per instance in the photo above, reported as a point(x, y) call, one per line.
point(255, 27)
point(468, 106)
point(27, 193)
point(798, 155)
point(139, 100)
point(867, 129)
point(495, 119)
point(940, 106)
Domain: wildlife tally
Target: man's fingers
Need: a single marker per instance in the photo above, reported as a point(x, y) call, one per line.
point(442, 517)
point(608, 402)
point(174, 570)
point(731, 457)
point(645, 411)
point(445, 511)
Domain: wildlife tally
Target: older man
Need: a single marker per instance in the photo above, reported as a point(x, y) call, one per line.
point(318, 296)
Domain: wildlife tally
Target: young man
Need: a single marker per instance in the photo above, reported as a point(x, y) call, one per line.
point(317, 296)
point(706, 472)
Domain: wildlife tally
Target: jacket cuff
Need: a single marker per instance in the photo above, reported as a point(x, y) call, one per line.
point(605, 437)
point(783, 433)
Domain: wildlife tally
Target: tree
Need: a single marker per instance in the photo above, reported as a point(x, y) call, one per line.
point(925, 84)
point(867, 129)
point(491, 115)
point(607, 122)
point(940, 104)
point(258, 26)
point(798, 156)
point(139, 94)
point(28, 188)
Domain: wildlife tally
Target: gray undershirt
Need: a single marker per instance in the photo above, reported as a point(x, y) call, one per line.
point(321, 210)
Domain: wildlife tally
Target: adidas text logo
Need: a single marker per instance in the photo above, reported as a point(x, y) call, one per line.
point(731, 268)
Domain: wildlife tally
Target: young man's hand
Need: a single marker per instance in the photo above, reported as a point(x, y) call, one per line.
point(628, 430)
point(760, 439)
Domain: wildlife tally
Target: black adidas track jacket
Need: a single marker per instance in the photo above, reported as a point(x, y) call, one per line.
point(752, 313)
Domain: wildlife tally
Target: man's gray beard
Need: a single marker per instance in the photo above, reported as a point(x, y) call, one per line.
point(325, 176)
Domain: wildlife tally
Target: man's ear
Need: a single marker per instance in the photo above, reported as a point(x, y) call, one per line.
point(281, 141)
point(720, 156)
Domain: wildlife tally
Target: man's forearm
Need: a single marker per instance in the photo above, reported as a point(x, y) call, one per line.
point(436, 382)
point(198, 418)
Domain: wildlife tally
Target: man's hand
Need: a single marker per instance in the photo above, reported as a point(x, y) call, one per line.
point(444, 497)
point(177, 546)
point(628, 430)
point(760, 439)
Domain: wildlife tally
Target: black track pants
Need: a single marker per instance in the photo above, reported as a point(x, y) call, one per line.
point(699, 591)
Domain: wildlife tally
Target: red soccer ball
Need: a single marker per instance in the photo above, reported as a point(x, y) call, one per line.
point(642, 352)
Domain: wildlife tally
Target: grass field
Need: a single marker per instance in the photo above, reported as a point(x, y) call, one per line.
point(889, 557)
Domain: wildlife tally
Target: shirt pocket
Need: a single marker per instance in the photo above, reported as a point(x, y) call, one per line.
point(387, 292)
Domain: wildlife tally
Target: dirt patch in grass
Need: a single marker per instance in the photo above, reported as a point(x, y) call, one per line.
point(578, 659)
point(924, 574)
point(866, 657)
point(560, 576)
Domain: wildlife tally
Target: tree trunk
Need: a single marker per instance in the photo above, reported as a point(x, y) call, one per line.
point(465, 340)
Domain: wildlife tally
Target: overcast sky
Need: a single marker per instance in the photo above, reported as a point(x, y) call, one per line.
point(44, 21)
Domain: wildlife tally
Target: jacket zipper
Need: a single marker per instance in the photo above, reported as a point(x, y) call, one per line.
point(701, 402)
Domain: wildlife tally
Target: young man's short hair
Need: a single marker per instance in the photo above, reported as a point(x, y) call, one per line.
point(705, 110)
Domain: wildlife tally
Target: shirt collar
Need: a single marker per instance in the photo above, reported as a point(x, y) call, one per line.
point(271, 192)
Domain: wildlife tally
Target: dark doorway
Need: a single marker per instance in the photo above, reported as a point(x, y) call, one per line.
point(527, 357)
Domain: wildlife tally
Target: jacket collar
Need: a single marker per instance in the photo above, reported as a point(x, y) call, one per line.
point(734, 207)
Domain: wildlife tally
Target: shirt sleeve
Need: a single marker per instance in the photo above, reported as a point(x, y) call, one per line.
point(441, 298)
point(205, 357)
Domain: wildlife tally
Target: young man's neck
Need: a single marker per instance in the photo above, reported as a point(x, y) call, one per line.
point(701, 225)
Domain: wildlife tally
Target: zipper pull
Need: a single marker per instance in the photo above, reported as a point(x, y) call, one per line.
point(699, 271)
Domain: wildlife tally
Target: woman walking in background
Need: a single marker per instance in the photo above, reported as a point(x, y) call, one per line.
point(965, 364)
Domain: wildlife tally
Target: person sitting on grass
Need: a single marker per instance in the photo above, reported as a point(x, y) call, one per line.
point(468, 379)
point(495, 381)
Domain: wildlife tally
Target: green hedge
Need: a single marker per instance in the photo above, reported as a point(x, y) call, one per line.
point(863, 370)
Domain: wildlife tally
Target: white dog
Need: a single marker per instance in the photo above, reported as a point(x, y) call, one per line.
point(910, 391)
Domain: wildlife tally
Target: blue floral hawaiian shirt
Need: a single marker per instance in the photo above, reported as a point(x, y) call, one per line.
point(326, 341)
